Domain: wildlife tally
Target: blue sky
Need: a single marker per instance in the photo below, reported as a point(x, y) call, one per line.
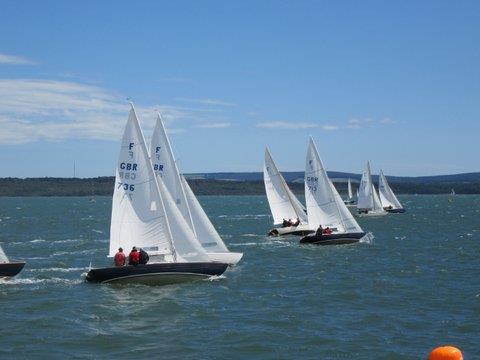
point(396, 83)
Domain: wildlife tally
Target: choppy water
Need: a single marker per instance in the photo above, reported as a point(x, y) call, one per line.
point(415, 287)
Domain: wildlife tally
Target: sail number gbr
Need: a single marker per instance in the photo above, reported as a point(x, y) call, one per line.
point(127, 171)
point(312, 183)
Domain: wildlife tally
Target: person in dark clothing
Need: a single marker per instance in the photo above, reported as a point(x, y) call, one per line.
point(134, 257)
point(285, 223)
point(319, 231)
point(296, 223)
point(143, 257)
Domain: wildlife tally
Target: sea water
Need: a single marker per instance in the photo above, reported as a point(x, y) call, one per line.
point(414, 287)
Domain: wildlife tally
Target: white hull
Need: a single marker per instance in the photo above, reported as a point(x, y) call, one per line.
point(302, 229)
point(373, 214)
point(230, 258)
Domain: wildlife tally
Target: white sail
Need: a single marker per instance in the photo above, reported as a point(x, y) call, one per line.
point(350, 192)
point(3, 256)
point(165, 167)
point(367, 195)
point(387, 197)
point(138, 214)
point(206, 233)
point(184, 240)
point(282, 201)
point(324, 205)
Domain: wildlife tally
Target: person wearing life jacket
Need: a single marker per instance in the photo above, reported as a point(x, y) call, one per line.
point(143, 257)
point(327, 231)
point(119, 259)
point(134, 257)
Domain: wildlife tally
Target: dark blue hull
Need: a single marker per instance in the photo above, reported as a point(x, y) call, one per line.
point(156, 274)
point(395, 211)
point(334, 239)
point(11, 269)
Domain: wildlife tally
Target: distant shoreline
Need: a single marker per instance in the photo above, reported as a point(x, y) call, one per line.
point(104, 186)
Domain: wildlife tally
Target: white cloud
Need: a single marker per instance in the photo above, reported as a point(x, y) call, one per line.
point(217, 125)
point(287, 125)
point(15, 60)
point(214, 102)
point(359, 123)
point(33, 110)
point(330, 127)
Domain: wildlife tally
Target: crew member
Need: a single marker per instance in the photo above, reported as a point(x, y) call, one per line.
point(119, 258)
point(143, 257)
point(319, 231)
point(134, 257)
point(327, 231)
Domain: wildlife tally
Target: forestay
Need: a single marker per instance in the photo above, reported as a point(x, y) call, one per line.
point(324, 205)
point(387, 197)
point(283, 203)
point(138, 213)
point(206, 233)
point(165, 167)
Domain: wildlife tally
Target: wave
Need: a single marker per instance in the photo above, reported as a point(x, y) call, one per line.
point(57, 269)
point(30, 281)
point(367, 239)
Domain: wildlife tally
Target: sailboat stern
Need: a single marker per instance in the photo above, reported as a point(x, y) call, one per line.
point(230, 258)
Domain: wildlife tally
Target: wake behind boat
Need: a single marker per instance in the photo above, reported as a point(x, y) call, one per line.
point(325, 208)
point(289, 215)
point(145, 215)
point(9, 268)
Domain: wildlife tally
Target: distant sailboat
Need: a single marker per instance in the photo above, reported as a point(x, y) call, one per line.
point(350, 200)
point(8, 268)
point(325, 207)
point(388, 199)
point(166, 169)
point(145, 215)
point(284, 205)
point(368, 203)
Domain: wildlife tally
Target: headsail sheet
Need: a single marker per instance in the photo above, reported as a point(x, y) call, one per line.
point(283, 203)
point(324, 205)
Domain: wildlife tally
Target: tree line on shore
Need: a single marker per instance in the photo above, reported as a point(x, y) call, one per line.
point(104, 186)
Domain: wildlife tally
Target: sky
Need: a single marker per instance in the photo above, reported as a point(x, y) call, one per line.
point(393, 82)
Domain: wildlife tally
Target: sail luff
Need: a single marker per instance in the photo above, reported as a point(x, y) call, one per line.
point(387, 196)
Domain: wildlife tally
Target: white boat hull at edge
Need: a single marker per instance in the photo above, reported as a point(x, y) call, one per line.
point(230, 258)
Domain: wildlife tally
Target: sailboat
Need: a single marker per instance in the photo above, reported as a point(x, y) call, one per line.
point(284, 205)
point(388, 199)
point(8, 268)
point(166, 169)
point(325, 207)
point(350, 200)
point(368, 203)
point(146, 216)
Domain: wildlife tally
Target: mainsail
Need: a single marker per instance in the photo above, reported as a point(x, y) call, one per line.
point(350, 192)
point(324, 204)
point(165, 167)
point(138, 214)
point(387, 197)
point(367, 195)
point(283, 203)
